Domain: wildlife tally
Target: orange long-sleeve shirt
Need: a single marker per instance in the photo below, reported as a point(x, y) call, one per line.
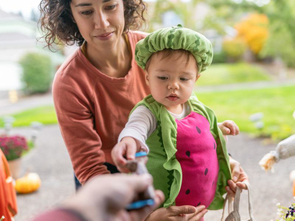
point(92, 109)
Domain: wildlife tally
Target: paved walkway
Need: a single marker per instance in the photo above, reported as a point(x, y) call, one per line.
point(24, 103)
point(50, 160)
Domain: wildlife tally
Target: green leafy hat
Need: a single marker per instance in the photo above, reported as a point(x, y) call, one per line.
point(176, 37)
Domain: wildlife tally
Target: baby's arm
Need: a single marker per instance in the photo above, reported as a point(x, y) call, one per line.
point(140, 125)
point(229, 127)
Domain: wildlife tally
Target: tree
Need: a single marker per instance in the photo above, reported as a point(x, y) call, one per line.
point(254, 31)
point(281, 16)
point(184, 10)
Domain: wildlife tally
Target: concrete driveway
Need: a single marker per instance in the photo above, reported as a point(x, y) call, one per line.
point(51, 161)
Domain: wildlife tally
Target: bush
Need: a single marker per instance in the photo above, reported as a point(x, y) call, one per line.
point(36, 72)
point(219, 57)
point(234, 49)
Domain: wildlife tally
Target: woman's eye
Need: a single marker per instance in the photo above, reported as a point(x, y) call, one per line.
point(110, 7)
point(86, 12)
point(162, 78)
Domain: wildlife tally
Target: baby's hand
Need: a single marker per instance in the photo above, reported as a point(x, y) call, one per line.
point(126, 148)
point(229, 127)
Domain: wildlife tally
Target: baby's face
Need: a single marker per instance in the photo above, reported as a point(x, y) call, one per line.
point(172, 79)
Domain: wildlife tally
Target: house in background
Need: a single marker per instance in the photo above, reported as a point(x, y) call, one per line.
point(18, 37)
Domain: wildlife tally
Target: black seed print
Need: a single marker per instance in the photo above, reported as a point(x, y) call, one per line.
point(213, 183)
point(187, 191)
point(199, 130)
point(188, 153)
point(199, 204)
point(206, 171)
point(214, 145)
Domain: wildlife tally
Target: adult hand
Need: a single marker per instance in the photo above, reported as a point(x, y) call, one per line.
point(238, 177)
point(126, 148)
point(178, 213)
point(229, 127)
point(105, 197)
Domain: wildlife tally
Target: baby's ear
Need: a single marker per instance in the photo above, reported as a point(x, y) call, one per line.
point(147, 78)
point(198, 76)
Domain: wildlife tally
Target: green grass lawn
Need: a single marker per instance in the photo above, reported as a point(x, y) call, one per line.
point(45, 115)
point(219, 74)
point(277, 105)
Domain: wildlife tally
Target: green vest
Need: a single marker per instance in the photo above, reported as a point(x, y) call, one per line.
point(162, 162)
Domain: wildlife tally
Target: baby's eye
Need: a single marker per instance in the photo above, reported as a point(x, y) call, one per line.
point(89, 12)
point(184, 79)
point(162, 78)
point(110, 7)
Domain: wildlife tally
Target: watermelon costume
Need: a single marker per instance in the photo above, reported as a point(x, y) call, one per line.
point(188, 158)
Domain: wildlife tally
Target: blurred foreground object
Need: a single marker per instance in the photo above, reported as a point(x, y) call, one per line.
point(292, 178)
point(284, 149)
point(286, 213)
point(8, 205)
point(28, 184)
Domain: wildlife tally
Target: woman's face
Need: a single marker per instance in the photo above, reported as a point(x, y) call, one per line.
point(100, 22)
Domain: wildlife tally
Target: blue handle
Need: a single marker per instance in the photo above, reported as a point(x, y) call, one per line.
point(140, 154)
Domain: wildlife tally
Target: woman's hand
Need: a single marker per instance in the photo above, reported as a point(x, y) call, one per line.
point(238, 177)
point(178, 213)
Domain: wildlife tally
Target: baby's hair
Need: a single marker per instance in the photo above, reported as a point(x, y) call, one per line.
point(167, 53)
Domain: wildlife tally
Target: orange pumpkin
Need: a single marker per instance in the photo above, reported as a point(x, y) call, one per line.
point(28, 184)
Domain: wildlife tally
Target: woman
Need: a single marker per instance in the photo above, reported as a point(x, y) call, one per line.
point(98, 85)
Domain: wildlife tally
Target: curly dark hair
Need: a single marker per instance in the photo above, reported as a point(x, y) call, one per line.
point(57, 21)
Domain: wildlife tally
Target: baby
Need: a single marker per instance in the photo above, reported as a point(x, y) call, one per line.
point(187, 153)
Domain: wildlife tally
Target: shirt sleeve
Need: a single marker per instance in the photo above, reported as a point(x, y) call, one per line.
point(60, 214)
point(141, 124)
point(77, 127)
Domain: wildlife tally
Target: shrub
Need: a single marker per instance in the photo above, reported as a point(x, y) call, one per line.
point(219, 57)
point(36, 72)
point(13, 146)
point(234, 49)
